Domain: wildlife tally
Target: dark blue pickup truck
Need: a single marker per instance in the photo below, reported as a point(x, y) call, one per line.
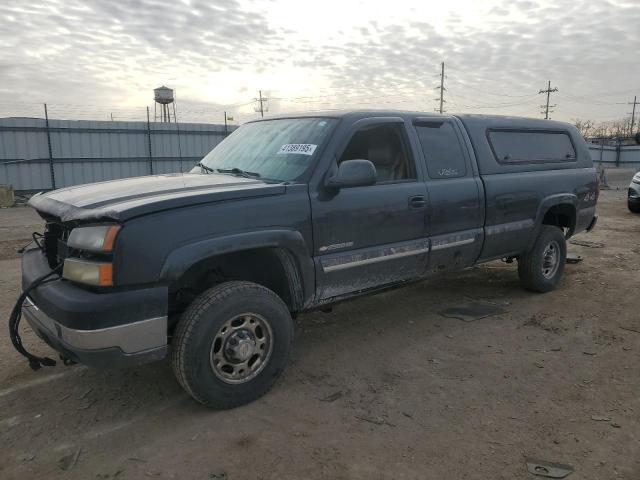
point(289, 214)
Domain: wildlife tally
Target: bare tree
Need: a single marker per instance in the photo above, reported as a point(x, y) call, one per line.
point(585, 127)
point(604, 130)
point(618, 128)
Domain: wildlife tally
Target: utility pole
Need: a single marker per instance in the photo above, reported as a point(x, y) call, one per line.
point(261, 107)
point(262, 101)
point(149, 143)
point(633, 114)
point(548, 91)
point(225, 124)
point(442, 89)
point(52, 171)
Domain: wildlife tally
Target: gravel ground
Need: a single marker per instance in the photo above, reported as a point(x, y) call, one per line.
point(382, 387)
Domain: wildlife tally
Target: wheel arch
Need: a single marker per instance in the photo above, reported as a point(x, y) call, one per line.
point(559, 210)
point(276, 259)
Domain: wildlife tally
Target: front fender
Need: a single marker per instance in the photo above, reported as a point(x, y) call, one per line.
point(180, 260)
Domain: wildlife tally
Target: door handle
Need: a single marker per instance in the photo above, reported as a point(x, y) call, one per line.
point(417, 201)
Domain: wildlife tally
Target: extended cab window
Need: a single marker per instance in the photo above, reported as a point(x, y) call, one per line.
point(384, 146)
point(522, 146)
point(442, 150)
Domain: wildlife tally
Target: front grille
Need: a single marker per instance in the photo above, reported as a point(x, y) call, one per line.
point(55, 243)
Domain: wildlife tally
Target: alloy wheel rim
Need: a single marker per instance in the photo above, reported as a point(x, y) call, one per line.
point(241, 348)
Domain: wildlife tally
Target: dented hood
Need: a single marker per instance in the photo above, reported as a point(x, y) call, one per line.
point(119, 200)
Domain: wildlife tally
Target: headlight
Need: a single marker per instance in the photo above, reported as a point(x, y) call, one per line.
point(88, 272)
point(636, 178)
point(98, 239)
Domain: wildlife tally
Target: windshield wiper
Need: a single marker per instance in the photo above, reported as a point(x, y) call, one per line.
point(205, 168)
point(238, 171)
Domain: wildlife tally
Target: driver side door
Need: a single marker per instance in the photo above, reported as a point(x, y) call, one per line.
point(370, 236)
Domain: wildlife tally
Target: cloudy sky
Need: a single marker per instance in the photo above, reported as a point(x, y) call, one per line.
point(94, 58)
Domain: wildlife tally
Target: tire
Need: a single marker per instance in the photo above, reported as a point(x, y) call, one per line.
point(215, 333)
point(633, 208)
point(536, 269)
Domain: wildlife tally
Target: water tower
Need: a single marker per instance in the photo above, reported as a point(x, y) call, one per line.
point(163, 97)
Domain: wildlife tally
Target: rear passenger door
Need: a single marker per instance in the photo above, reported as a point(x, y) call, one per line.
point(456, 206)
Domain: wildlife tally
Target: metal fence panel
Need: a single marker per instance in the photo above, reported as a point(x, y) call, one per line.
point(630, 154)
point(29, 176)
point(93, 151)
point(602, 153)
point(22, 138)
point(624, 156)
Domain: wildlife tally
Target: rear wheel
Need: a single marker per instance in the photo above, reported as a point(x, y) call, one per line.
point(633, 207)
point(231, 344)
point(540, 269)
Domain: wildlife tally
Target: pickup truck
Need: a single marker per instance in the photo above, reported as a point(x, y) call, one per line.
point(289, 214)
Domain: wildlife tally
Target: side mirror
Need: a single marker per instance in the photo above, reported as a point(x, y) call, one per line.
point(354, 173)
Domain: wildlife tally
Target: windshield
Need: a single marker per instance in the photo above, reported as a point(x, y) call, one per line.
point(272, 149)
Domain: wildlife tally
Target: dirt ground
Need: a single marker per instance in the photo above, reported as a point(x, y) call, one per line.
point(382, 387)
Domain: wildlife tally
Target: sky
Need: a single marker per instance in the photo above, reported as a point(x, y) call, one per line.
point(99, 59)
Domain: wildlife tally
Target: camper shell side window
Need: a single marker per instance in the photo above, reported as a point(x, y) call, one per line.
point(516, 146)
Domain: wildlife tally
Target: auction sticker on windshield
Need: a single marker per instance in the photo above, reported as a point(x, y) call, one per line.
point(300, 148)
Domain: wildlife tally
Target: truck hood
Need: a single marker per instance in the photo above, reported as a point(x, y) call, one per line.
point(120, 200)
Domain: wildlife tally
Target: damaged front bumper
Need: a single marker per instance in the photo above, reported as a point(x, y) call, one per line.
point(102, 330)
point(123, 345)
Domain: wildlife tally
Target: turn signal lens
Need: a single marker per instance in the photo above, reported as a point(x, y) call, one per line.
point(110, 238)
point(87, 272)
point(106, 274)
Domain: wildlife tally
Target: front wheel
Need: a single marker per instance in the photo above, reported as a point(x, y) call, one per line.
point(231, 344)
point(633, 207)
point(540, 269)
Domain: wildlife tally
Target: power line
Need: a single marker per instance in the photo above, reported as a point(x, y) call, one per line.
point(588, 101)
point(607, 94)
point(499, 94)
point(481, 104)
point(548, 91)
